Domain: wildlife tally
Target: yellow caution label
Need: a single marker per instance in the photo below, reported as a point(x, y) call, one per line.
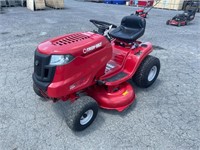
point(125, 93)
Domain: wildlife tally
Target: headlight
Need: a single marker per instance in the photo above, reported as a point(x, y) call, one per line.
point(60, 59)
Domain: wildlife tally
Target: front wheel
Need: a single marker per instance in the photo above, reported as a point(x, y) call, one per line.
point(148, 72)
point(82, 113)
point(167, 23)
point(137, 14)
point(145, 15)
point(37, 91)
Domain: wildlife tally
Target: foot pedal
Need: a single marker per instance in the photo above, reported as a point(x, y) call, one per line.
point(100, 82)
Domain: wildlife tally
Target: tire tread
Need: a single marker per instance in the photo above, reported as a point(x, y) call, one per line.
point(77, 108)
point(140, 77)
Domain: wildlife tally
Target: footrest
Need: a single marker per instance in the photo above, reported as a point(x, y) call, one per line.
point(117, 77)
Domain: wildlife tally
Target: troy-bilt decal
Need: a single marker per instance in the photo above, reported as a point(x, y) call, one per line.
point(91, 48)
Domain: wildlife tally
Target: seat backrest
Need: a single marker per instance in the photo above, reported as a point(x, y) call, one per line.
point(133, 22)
point(131, 28)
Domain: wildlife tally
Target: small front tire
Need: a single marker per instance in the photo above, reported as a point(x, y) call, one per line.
point(37, 91)
point(147, 72)
point(82, 113)
point(146, 15)
point(167, 23)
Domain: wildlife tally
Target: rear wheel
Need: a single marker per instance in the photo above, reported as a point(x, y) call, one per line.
point(186, 22)
point(37, 91)
point(148, 72)
point(82, 113)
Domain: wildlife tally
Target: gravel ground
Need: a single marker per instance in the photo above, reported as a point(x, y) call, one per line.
point(166, 116)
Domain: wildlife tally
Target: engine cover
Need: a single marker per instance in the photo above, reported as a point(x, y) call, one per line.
point(76, 44)
point(91, 52)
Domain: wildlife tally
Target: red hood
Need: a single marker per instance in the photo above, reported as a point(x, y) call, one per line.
point(71, 43)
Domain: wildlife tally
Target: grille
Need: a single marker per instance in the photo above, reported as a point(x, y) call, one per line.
point(42, 70)
point(70, 39)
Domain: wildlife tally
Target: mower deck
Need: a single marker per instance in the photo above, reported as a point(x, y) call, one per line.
point(176, 23)
point(119, 99)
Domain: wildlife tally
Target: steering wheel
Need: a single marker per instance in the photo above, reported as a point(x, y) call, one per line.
point(102, 25)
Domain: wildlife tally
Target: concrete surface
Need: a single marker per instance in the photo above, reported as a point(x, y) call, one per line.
point(165, 116)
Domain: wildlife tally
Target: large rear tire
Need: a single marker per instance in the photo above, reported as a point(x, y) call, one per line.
point(148, 72)
point(82, 113)
point(186, 22)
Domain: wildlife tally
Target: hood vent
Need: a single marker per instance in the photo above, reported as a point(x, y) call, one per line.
point(69, 39)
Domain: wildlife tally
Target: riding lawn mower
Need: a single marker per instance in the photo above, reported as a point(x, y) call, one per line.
point(93, 69)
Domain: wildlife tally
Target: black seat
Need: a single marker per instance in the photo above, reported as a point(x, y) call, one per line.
point(131, 28)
